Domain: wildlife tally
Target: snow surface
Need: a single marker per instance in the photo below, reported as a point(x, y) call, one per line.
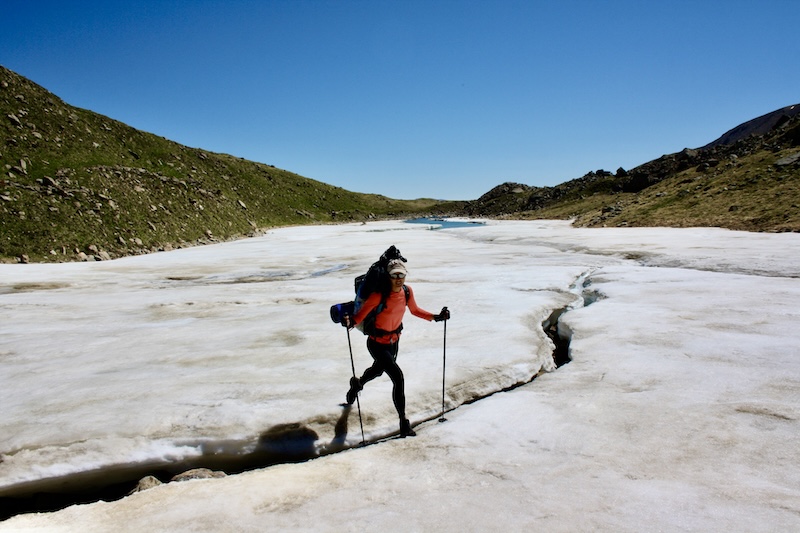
point(679, 411)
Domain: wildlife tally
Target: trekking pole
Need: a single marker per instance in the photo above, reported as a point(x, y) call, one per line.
point(444, 365)
point(358, 402)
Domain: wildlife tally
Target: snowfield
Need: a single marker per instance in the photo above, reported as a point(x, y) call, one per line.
point(680, 410)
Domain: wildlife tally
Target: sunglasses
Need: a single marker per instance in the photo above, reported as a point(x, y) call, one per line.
point(397, 275)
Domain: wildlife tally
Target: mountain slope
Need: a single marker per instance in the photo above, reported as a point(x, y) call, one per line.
point(749, 179)
point(758, 126)
point(76, 184)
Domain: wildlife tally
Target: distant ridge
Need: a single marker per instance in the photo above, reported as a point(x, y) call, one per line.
point(748, 179)
point(758, 126)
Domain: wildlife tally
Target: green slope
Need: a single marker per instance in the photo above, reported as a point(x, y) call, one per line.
point(75, 182)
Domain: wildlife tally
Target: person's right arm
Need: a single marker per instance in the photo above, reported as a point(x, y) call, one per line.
point(369, 304)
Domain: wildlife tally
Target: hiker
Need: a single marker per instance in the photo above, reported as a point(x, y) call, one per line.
point(383, 344)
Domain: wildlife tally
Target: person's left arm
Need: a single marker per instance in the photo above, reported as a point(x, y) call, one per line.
point(417, 311)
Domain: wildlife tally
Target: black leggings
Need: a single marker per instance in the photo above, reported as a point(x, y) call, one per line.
point(385, 360)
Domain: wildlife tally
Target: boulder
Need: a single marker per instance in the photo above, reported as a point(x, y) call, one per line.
point(145, 483)
point(788, 160)
point(198, 473)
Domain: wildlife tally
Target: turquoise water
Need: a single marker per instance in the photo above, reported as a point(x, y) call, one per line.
point(444, 223)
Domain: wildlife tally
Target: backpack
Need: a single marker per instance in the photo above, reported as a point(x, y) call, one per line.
point(367, 326)
point(376, 279)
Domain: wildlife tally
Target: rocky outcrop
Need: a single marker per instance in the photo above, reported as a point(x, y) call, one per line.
point(198, 473)
point(148, 482)
point(773, 132)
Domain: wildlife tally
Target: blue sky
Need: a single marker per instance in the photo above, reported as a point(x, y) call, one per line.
point(412, 99)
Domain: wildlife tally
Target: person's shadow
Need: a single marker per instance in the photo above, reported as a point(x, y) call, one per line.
point(340, 430)
point(294, 442)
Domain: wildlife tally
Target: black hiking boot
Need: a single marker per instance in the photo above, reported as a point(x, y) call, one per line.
point(355, 387)
point(405, 429)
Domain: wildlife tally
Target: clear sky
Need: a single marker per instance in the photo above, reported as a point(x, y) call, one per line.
point(407, 98)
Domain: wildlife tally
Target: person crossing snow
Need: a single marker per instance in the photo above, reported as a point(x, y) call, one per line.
point(383, 344)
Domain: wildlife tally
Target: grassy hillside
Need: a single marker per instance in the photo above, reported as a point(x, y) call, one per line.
point(750, 193)
point(74, 182)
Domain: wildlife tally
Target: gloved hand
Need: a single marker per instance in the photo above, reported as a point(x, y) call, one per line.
point(443, 315)
point(346, 322)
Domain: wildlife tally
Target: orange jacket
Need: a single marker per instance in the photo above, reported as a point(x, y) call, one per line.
point(392, 315)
